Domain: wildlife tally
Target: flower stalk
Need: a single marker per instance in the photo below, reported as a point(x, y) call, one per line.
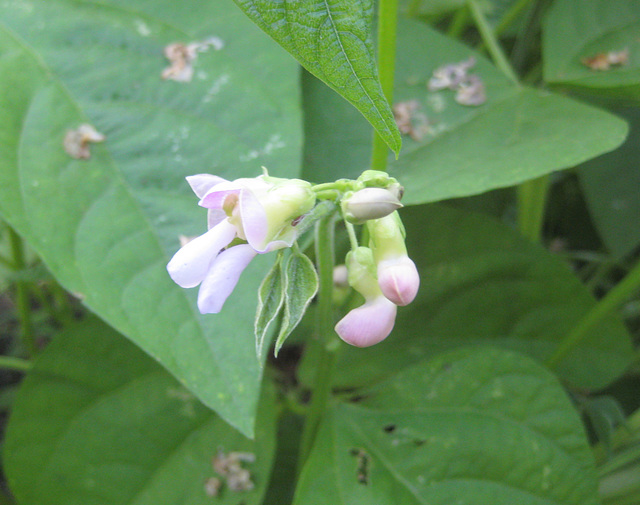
point(327, 344)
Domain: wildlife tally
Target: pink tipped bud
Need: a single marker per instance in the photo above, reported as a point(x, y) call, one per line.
point(369, 203)
point(368, 324)
point(398, 279)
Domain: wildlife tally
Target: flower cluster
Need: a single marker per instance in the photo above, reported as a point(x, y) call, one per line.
point(385, 276)
point(257, 215)
point(246, 217)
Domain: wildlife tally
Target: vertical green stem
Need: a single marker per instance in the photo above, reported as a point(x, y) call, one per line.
point(458, 23)
point(387, 24)
point(326, 356)
point(488, 37)
point(510, 16)
point(610, 302)
point(532, 197)
point(22, 295)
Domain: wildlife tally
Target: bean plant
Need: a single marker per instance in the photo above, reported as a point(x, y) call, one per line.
point(320, 252)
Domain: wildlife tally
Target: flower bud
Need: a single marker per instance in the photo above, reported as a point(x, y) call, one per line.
point(397, 275)
point(399, 280)
point(369, 203)
point(373, 321)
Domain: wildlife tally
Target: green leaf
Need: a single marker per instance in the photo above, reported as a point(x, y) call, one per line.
point(107, 226)
point(477, 426)
point(517, 135)
point(482, 283)
point(301, 285)
point(611, 185)
point(97, 421)
point(271, 296)
point(579, 29)
point(332, 40)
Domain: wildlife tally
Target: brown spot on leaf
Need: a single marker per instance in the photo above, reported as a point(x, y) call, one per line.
point(76, 142)
point(604, 61)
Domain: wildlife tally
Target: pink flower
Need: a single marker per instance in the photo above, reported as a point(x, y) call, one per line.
point(368, 324)
point(373, 321)
point(397, 274)
point(398, 279)
point(259, 212)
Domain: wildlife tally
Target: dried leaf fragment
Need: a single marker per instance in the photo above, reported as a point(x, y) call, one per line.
point(212, 486)
point(450, 75)
point(76, 142)
point(229, 466)
point(182, 56)
point(409, 120)
point(604, 61)
point(471, 91)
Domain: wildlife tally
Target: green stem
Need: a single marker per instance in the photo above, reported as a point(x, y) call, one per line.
point(496, 52)
point(352, 235)
point(510, 16)
point(15, 364)
point(532, 197)
point(458, 23)
point(610, 302)
point(387, 25)
point(22, 295)
point(326, 355)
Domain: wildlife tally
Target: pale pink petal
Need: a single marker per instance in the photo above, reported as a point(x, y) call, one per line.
point(202, 183)
point(214, 198)
point(368, 324)
point(254, 220)
point(190, 264)
point(399, 280)
point(215, 216)
point(222, 277)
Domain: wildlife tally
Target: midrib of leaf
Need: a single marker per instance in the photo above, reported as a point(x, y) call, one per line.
point(471, 411)
point(572, 56)
point(353, 72)
point(100, 397)
point(469, 119)
point(131, 12)
point(119, 180)
point(176, 449)
point(390, 468)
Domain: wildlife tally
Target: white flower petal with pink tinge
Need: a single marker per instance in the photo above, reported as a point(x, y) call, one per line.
point(202, 183)
point(222, 277)
point(190, 264)
point(368, 324)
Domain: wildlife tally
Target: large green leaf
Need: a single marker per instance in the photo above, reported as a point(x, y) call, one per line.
point(332, 39)
point(579, 29)
point(473, 427)
point(481, 282)
point(518, 134)
point(611, 185)
point(97, 421)
point(107, 226)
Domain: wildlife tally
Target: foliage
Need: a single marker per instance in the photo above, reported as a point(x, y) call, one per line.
point(512, 127)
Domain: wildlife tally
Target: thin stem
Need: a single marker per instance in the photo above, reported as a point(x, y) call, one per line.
point(510, 16)
point(532, 198)
point(326, 355)
point(352, 235)
point(387, 25)
point(15, 364)
point(22, 295)
point(458, 23)
point(610, 302)
point(496, 52)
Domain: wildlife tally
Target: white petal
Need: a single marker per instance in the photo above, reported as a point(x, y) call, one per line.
point(222, 277)
point(202, 183)
point(190, 264)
